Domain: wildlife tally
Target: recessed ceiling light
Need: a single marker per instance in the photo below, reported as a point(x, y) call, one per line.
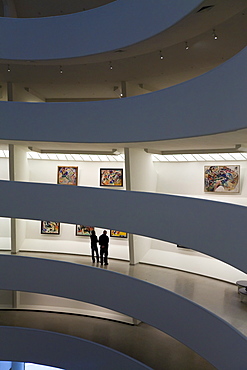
point(214, 35)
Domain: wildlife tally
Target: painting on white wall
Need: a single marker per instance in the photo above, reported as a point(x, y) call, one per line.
point(222, 179)
point(111, 177)
point(118, 234)
point(50, 227)
point(82, 230)
point(67, 175)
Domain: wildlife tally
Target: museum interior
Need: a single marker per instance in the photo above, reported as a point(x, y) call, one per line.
point(139, 107)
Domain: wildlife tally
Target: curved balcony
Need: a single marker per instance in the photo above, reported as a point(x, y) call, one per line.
point(212, 103)
point(129, 296)
point(166, 214)
point(59, 350)
point(111, 27)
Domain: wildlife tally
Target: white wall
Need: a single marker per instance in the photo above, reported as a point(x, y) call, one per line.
point(32, 301)
point(187, 178)
point(20, 94)
point(4, 165)
point(3, 91)
point(6, 299)
point(88, 172)
point(67, 241)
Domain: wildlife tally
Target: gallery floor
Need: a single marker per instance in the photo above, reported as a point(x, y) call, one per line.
point(147, 344)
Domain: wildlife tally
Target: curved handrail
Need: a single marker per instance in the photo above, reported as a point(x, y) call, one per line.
point(59, 350)
point(212, 103)
point(107, 28)
point(175, 315)
point(214, 228)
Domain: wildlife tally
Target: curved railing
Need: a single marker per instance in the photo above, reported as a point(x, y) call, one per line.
point(212, 103)
point(214, 228)
point(107, 28)
point(59, 350)
point(177, 316)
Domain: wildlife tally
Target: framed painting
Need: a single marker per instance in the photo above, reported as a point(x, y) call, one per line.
point(82, 230)
point(118, 234)
point(67, 175)
point(50, 227)
point(111, 177)
point(222, 179)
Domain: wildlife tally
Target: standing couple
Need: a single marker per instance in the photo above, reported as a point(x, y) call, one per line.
point(104, 243)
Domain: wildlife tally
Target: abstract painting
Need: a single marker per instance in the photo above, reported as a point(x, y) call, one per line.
point(111, 177)
point(118, 234)
point(221, 179)
point(50, 227)
point(67, 175)
point(82, 230)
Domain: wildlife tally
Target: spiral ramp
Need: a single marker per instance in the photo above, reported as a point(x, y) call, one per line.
point(216, 100)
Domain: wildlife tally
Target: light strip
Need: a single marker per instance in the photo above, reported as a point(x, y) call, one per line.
point(191, 157)
point(206, 157)
point(170, 158)
point(198, 157)
point(227, 157)
point(238, 156)
point(180, 157)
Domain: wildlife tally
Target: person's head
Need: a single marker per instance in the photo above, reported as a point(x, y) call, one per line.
point(93, 232)
point(104, 232)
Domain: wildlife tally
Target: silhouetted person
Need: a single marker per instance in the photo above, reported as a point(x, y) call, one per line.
point(104, 243)
point(94, 248)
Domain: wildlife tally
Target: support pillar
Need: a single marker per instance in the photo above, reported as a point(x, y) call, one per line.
point(140, 176)
point(10, 91)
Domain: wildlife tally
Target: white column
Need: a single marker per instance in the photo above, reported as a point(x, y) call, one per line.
point(140, 176)
point(18, 171)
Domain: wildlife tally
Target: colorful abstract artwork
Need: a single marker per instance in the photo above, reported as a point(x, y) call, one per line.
point(82, 230)
point(118, 234)
point(111, 177)
point(50, 227)
point(67, 175)
point(221, 179)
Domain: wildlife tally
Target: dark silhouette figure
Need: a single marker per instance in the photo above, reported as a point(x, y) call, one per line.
point(94, 248)
point(104, 243)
